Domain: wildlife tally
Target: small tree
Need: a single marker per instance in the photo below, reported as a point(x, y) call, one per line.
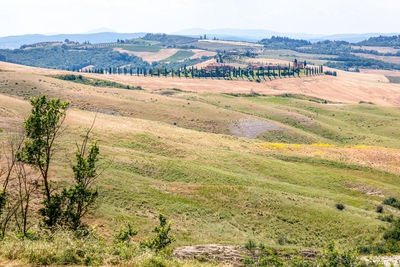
point(68, 207)
point(42, 129)
point(162, 238)
point(81, 197)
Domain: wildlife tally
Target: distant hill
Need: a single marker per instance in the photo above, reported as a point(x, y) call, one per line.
point(229, 34)
point(13, 42)
point(249, 35)
point(253, 35)
point(350, 37)
point(168, 40)
point(72, 55)
point(387, 41)
point(283, 43)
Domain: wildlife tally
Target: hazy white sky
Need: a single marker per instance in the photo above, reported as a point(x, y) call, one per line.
point(305, 16)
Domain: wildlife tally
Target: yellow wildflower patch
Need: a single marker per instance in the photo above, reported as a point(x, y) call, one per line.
point(280, 146)
point(322, 145)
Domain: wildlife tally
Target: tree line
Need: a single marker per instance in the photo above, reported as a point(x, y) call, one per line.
point(226, 73)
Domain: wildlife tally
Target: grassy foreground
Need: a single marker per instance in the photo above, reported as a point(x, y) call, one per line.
point(223, 189)
point(64, 249)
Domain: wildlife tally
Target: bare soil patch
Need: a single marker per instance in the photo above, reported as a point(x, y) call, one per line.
point(252, 128)
point(227, 254)
point(366, 189)
point(198, 53)
point(151, 56)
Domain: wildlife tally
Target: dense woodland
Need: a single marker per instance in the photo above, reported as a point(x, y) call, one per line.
point(276, 42)
point(388, 41)
point(66, 57)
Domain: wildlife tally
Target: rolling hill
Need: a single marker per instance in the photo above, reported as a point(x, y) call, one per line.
point(254, 35)
point(13, 42)
point(227, 167)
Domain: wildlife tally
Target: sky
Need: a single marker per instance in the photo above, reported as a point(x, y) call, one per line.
point(300, 16)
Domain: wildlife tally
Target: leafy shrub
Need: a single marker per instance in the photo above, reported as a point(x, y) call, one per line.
point(390, 242)
point(251, 247)
point(392, 236)
point(379, 209)
point(339, 206)
point(162, 238)
point(391, 201)
point(387, 218)
point(330, 256)
point(67, 208)
point(263, 257)
point(95, 82)
point(125, 234)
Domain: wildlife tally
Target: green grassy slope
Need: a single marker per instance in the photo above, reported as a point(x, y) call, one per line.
point(140, 48)
point(180, 55)
point(221, 189)
point(310, 120)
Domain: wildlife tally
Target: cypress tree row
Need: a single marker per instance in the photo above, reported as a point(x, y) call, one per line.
point(217, 72)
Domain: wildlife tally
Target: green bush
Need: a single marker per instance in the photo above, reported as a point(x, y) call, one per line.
point(379, 209)
point(162, 239)
point(330, 256)
point(392, 237)
point(125, 234)
point(339, 206)
point(386, 218)
point(95, 82)
point(391, 201)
